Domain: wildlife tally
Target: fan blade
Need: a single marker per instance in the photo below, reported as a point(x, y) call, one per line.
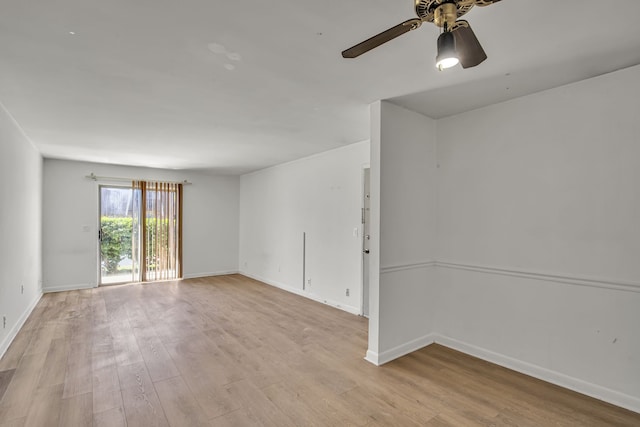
point(381, 38)
point(486, 2)
point(469, 50)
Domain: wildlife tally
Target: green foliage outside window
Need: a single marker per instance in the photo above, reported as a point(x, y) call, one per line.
point(117, 236)
point(116, 242)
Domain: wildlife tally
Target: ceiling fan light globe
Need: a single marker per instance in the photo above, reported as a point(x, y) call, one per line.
point(448, 62)
point(447, 56)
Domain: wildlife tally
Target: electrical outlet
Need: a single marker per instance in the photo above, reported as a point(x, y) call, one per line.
point(347, 292)
point(22, 289)
point(309, 282)
point(4, 322)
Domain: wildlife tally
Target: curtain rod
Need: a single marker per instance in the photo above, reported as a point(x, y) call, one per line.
point(94, 177)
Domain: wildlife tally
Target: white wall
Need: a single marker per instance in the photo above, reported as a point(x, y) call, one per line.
point(539, 234)
point(403, 209)
point(20, 227)
point(210, 221)
point(321, 196)
point(537, 229)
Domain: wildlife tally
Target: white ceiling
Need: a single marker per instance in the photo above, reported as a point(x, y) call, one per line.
point(234, 86)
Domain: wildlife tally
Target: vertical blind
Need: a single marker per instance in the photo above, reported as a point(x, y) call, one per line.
point(157, 236)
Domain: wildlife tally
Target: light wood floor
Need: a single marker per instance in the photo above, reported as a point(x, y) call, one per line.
point(230, 351)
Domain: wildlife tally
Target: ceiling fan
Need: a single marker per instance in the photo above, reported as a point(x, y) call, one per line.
point(456, 44)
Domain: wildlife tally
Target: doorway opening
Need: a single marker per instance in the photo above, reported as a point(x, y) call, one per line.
point(140, 233)
point(366, 237)
point(115, 235)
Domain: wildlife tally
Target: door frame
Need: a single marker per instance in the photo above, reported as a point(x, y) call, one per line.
point(363, 196)
point(98, 230)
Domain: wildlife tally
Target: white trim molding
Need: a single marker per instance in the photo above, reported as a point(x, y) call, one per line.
point(218, 273)
point(4, 345)
point(593, 282)
point(593, 390)
point(64, 288)
point(372, 357)
point(412, 266)
point(399, 351)
point(601, 393)
point(300, 292)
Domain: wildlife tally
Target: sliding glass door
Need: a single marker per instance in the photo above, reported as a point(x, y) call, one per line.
point(115, 235)
point(140, 232)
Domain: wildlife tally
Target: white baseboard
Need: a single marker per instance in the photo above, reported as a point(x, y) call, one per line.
point(399, 351)
point(593, 390)
point(284, 287)
point(372, 357)
point(64, 288)
point(217, 273)
point(4, 345)
point(553, 377)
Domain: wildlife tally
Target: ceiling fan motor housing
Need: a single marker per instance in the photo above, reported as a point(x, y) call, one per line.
point(441, 11)
point(445, 15)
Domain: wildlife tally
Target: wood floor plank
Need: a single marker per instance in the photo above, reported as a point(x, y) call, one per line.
point(77, 410)
point(214, 398)
point(256, 403)
point(142, 407)
point(255, 367)
point(289, 401)
point(105, 400)
point(238, 418)
point(19, 422)
point(78, 377)
point(41, 339)
point(16, 350)
point(105, 371)
point(231, 351)
point(106, 381)
point(102, 338)
point(56, 356)
point(125, 344)
point(201, 357)
point(45, 408)
point(134, 375)
point(5, 379)
point(110, 418)
point(156, 358)
point(15, 403)
point(332, 407)
point(179, 404)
